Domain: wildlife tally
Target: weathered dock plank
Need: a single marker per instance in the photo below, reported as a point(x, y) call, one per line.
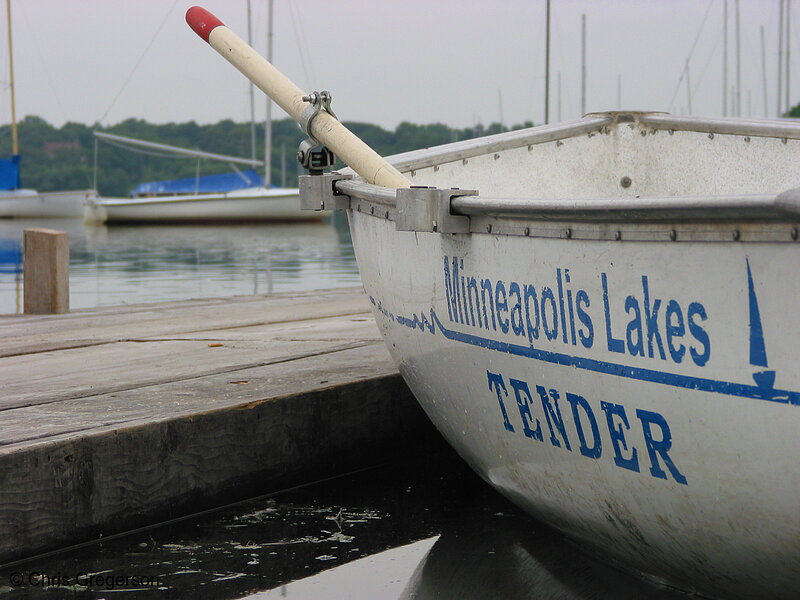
point(247, 396)
point(29, 334)
point(100, 368)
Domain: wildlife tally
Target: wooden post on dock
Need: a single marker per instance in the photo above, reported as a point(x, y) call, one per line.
point(46, 270)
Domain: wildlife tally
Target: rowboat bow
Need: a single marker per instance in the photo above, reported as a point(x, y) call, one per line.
point(594, 315)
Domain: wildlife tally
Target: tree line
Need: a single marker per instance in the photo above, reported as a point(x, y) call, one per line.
point(62, 158)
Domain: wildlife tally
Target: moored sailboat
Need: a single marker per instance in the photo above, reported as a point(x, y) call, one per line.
point(242, 197)
point(18, 202)
point(256, 200)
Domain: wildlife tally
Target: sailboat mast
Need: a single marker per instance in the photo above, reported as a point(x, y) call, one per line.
point(283, 165)
point(500, 105)
point(14, 132)
point(688, 87)
point(583, 64)
point(780, 57)
point(787, 59)
point(725, 58)
point(547, 68)
point(559, 96)
point(738, 64)
point(764, 70)
point(252, 101)
point(268, 122)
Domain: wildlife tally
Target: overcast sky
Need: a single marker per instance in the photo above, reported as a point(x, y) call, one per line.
point(451, 61)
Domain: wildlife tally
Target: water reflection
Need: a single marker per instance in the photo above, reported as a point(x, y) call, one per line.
point(479, 555)
point(382, 575)
point(11, 272)
point(502, 560)
point(428, 528)
point(122, 265)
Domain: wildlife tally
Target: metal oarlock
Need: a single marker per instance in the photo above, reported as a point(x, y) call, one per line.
point(313, 155)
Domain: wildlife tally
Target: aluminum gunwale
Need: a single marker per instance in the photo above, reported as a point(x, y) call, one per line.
point(680, 208)
point(568, 227)
point(757, 207)
point(789, 129)
point(367, 191)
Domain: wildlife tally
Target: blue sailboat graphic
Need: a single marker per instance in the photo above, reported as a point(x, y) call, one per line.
point(758, 349)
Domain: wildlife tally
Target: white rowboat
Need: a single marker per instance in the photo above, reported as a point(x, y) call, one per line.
point(598, 316)
point(605, 334)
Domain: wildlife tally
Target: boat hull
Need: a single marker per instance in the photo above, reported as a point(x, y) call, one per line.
point(67, 204)
point(240, 206)
point(642, 397)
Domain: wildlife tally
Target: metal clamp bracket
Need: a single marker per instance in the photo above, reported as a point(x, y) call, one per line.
point(427, 209)
point(312, 155)
point(318, 192)
point(317, 101)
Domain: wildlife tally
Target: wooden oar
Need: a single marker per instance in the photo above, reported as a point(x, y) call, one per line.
point(324, 127)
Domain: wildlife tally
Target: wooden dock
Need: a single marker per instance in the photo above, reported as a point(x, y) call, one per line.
point(115, 418)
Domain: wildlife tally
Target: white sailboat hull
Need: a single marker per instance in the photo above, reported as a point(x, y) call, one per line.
point(29, 204)
point(623, 369)
point(252, 204)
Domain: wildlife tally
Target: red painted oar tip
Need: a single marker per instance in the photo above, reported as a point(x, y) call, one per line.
point(202, 21)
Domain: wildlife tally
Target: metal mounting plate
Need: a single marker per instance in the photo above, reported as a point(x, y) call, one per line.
point(317, 192)
point(428, 209)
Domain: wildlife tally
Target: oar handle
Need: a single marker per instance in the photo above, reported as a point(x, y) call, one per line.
point(324, 127)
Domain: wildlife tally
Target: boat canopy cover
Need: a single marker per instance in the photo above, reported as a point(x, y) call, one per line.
point(207, 184)
point(9, 173)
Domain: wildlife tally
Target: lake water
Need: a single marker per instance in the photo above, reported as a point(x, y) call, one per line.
point(133, 264)
point(422, 529)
